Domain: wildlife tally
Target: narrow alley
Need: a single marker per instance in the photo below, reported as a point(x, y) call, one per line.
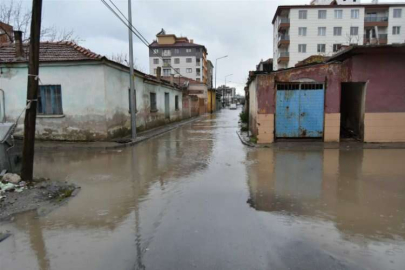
point(197, 198)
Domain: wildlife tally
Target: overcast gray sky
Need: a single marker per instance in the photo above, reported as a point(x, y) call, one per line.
point(240, 29)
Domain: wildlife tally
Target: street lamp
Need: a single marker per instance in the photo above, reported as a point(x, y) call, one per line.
point(216, 68)
point(225, 84)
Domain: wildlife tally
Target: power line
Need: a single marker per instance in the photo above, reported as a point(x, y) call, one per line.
point(136, 32)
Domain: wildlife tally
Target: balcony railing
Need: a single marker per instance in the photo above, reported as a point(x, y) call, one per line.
point(283, 37)
point(284, 20)
point(166, 64)
point(376, 19)
point(283, 54)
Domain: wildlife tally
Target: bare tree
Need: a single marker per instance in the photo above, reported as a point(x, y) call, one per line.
point(122, 58)
point(14, 14)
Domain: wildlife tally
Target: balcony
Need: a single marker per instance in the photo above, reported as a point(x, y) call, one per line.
point(375, 21)
point(283, 41)
point(284, 23)
point(166, 64)
point(382, 39)
point(283, 57)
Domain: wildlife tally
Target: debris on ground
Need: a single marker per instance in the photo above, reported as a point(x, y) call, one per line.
point(41, 194)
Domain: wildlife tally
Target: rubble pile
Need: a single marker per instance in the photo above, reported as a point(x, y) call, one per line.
point(11, 182)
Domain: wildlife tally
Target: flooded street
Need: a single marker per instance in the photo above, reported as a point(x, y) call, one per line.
point(196, 198)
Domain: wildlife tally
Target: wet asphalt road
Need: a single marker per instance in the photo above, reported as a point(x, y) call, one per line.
point(196, 198)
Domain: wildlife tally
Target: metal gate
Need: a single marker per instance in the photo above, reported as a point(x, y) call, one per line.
point(299, 110)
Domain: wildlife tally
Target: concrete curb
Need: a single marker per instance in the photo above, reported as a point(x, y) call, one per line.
point(245, 142)
point(52, 145)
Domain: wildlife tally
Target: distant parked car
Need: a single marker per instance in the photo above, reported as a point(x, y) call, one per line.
point(233, 106)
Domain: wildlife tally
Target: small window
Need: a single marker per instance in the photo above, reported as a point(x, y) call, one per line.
point(396, 30)
point(176, 51)
point(198, 71)
point(189, 60)
point(188, 50)
point(337, 47)
point(339, 14)
point(355, 13)
point(153, 106)
point(50, 100)
point(397, 13)
point(337, 31)
point(321, 48)
point(155, 51)
point(321, 31)
point(166, 52)
point(177, 60)
point(166, 72)
point(156, 61)
point(354, 31)
point(129, 100)
point(302, 48)
point(321, 14)
point(302, 14)
point(302, 31)
point(176, 102)
point(189, 70)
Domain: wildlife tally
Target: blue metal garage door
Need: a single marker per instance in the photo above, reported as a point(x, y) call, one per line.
point(299, 110)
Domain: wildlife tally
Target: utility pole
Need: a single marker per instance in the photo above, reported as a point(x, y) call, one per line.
point(32, 93)
point(131, 74)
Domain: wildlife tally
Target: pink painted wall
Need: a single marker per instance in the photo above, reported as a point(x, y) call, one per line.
point(385, 74)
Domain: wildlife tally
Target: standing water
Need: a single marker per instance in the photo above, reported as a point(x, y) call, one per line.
point(196, 198)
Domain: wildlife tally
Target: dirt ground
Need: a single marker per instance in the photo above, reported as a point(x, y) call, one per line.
point(43, 195)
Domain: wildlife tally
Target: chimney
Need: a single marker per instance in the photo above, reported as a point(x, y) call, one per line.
point(191, 40)
point(19, 51)
point(172, 80)
point(158, 73)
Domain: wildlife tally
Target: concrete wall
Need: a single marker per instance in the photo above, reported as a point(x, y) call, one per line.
point(95, 101)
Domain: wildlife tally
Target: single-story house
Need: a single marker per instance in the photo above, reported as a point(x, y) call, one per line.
point(83, 96)
point(357, 93)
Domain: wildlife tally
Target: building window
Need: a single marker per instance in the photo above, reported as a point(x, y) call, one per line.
point(155, 51)
point(156, 61)
point(188, 60)
point(166, 62)
point(321, 48)
point(337, 31)
point(355, 13)
point(189, 70)
point(166, 72)
point(339, 14)
point(198, 62)
point(198, 71)
point(321, 14)
point(302, 31)
point(188, 50)
point(166, 53)
point(397, 13)
point(302, 48)
point(396, 30)
point(176, 51)
point(337, 47)
point(177, 60)
point(354, 31)
point(176, 102)
point(321, 31)
point(152, 99)
point(302, 14)
point(50, 100)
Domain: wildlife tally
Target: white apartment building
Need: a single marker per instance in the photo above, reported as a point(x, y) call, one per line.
point(322, 27)
point(178, 55)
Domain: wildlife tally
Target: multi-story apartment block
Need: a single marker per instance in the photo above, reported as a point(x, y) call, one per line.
point(322, 27)
point(178, 55)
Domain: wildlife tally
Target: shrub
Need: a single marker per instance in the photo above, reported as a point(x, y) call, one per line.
point(244, 117)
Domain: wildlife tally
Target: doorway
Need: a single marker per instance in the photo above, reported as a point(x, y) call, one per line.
point(167, 106)
point(352, 106)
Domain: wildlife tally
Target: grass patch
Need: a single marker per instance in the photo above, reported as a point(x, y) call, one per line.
point(253, 139)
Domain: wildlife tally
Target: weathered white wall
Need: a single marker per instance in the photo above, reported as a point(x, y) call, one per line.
point(95, 101)
point(83, 100)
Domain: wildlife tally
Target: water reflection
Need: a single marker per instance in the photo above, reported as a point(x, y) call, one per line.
point(360, 191)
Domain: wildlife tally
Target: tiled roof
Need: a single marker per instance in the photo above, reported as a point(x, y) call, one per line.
point(49, 52)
